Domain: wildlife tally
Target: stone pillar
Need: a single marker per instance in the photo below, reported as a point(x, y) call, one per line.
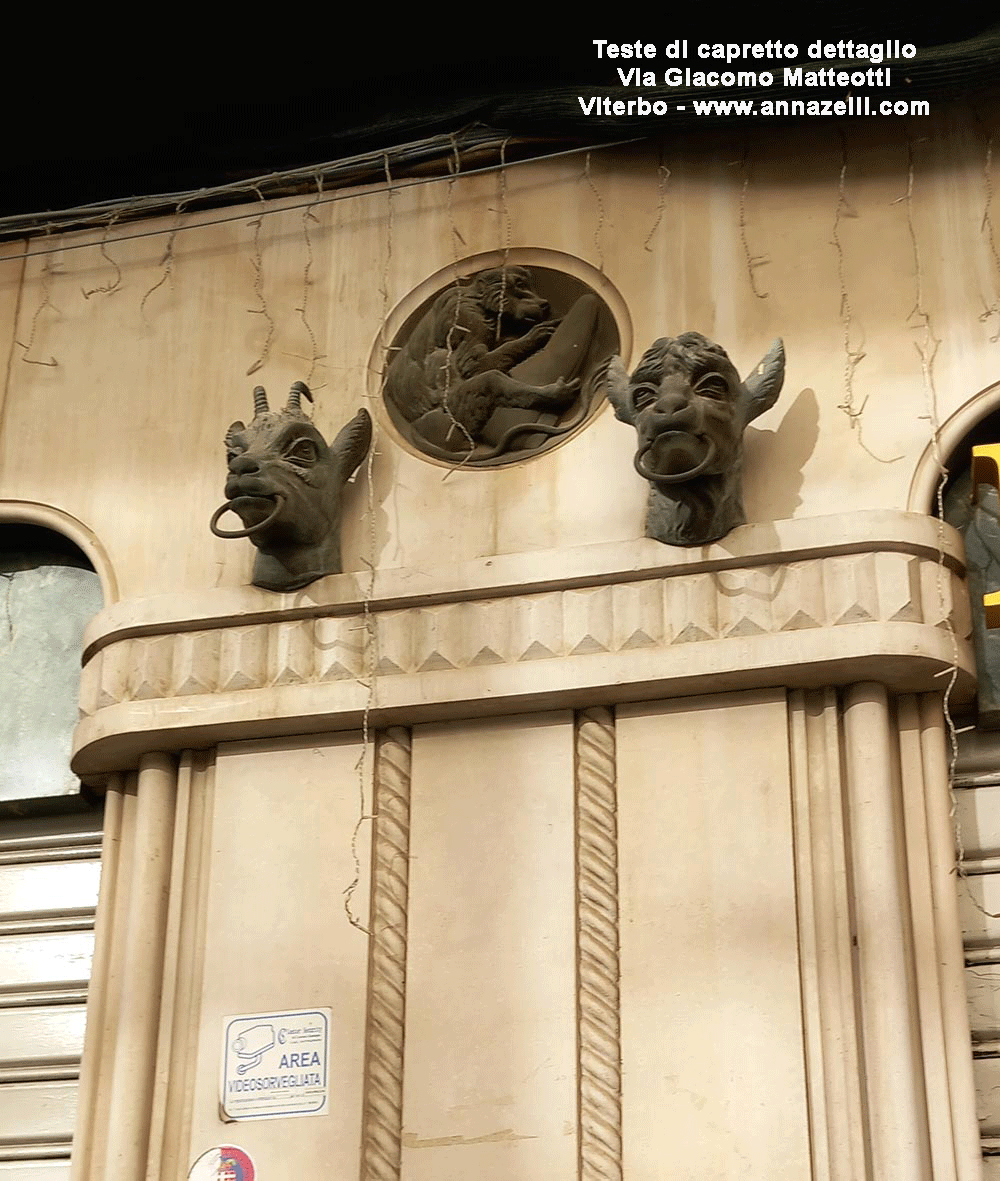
point(597, 947)
point(893, 1064)
point(383, 1104)
point(126, 991)
point(938, 953)
point(831, 1025)
point(105, 978)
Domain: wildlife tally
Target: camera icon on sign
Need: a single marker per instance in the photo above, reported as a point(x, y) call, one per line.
point(251, 1045)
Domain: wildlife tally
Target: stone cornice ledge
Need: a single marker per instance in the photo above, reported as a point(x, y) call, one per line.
point(800, 603)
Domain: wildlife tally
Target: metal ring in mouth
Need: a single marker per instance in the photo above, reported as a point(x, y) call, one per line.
point(676, 477)
point(213, 524)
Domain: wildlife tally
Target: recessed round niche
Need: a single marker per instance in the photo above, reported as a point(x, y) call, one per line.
point(501, 363)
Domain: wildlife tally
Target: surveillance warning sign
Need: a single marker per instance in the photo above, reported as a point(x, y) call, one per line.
point(276, 1064)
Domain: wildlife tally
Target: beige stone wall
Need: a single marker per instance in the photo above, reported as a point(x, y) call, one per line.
point(670, 864)
point(124, 430)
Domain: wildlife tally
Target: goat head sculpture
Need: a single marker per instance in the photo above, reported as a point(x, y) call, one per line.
point(286, 486)
point(689, 408)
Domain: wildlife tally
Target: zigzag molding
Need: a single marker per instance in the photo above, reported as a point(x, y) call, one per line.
point(627, 634)
point(762, 601)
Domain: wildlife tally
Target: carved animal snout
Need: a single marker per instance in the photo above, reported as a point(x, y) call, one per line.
point(244, 465)
point(246, 477)
point(674, 411)
point(675, 445)
point(673, 408)
point(525, 312)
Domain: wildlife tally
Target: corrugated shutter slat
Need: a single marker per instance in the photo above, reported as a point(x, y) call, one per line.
point(49, 877)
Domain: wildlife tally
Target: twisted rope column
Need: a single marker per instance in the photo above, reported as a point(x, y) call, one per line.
point(600, 1107)
point(383, 1098)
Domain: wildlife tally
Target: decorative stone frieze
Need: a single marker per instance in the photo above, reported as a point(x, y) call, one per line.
point(800, 603)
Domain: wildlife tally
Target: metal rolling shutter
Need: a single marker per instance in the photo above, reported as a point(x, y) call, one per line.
point(977, 792)
point(49, 874)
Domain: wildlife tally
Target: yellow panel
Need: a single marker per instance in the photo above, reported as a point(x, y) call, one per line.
point(985, 467)
point(986, 470)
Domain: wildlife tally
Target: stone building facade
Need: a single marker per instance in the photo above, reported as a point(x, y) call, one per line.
point(607, 858)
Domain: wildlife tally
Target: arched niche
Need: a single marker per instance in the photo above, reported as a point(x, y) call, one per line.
point(49, 591)
point(950, 493)
point(956, 437)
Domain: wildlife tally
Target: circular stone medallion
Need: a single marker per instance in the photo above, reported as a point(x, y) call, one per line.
point(499, 365)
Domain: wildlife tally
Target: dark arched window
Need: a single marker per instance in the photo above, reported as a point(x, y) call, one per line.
point(50, 842)
point(48, 593)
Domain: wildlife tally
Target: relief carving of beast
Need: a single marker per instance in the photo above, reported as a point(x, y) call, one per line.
point(487, 371)
point(286, 486)
point(690, 408)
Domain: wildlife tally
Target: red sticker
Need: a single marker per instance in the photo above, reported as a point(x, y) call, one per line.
point(225, 1163)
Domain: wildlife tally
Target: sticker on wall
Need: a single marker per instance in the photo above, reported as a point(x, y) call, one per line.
point(275, 1064)
point(224, 1163)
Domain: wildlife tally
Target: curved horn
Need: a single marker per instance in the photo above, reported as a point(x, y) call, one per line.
point(352, 443)
point(765, 382)
point(616, 388)
point(294, 403)
point(260, 405)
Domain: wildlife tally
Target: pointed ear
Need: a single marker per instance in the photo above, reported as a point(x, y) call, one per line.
point(616, 388)
point(352, 443)
point(765, 382)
